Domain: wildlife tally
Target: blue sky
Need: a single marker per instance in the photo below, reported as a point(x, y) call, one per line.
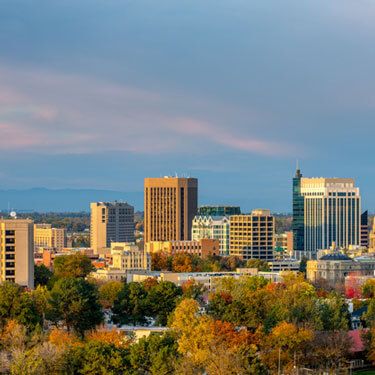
point(99, 94)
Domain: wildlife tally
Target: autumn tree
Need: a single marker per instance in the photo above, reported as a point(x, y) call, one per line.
point(76, 265)
point(109, 292)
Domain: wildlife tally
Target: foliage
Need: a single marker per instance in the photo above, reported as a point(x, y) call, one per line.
point(42, 275)
point(75, 302)
point(109, 292)
point(260, 264)
point(76, 265)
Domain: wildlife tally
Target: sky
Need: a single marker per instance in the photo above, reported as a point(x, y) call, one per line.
point(101, 93)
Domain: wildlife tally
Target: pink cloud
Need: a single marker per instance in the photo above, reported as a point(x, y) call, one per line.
point(67, 113)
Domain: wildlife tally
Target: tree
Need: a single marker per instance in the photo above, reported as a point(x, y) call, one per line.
point(368, 289)
point(162, 300)
point(77, 265)
point(109, 292)
point(155, 355)
point(192, 289)
point(303, 265)
point(260, 264)
point(42, 275)
point(75, 303)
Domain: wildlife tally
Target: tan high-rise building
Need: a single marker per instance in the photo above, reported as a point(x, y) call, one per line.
point(110, 222)
point(170, 204)
point(252, 236)
point(48, 237)
point(17, 251)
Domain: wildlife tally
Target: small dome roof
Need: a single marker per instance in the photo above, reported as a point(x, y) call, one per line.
point(336, 256)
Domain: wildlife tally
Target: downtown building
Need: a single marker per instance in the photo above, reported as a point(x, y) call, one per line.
point(51, 238)
point(170, 205)
point(213, 227)
point(110, 222)
point(252, 236)
point(17, 251)
point(325, 211)
point(219, 210)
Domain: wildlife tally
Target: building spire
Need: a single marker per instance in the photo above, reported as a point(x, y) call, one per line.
point(298, 171)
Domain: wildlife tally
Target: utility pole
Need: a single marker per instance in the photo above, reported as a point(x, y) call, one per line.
point(279, 367)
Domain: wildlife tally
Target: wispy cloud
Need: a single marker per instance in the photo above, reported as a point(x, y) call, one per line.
point(66, 113)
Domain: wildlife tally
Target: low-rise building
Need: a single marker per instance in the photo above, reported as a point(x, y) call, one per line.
point(284, 265)
point(336, 266)
point(47, 237)
point(284, 244)
point(203, 248)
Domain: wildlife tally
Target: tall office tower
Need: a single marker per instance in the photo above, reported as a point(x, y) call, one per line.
point(17, 251)
point(252, 236)
point(364, 230)
point(111, 222)
point(46, 236)
point(298, 226)
point(213, 227)
point(332, 213)
point(170, 204)
point(219, 210)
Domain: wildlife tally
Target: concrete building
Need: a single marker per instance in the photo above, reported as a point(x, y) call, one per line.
point(252, 236)
point(17, 251)
point(372, 238)
point(213, 227)
point(331, 212)
point(219, 210)
point(203, 248)
point(284, 244)
point(110, 222)
point(129, 257)
point(364, 230)
point(170, 204)
point(47, 237)
point(334, 267)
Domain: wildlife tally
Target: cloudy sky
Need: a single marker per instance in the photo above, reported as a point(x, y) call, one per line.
point(101, 93)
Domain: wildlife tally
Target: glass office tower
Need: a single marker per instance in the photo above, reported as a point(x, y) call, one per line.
point(298, 226)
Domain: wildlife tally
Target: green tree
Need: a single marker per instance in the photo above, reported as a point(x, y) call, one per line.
point(162, 300)
point(131, 305)
point(76, 265)
point(42, 275)
point(155, 355)
point(109, 292)
point(76, 303)
point(260, 264)
point(303, 265)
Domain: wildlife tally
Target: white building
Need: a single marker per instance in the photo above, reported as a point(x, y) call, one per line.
point(212, 227)
point(332, 213)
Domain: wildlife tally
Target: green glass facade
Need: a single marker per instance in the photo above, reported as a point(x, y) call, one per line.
point(298, 213)
point(219, 210)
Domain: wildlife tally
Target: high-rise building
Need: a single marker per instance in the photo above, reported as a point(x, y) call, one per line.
point(332, 213)
point(170, 204)
point(48, 237)
point(252, 236)
point(111, 222)
point(364, 230)
point(372, 237)
point(219, 210)
point(17, 251)
point(213, 227)
point(298, 226)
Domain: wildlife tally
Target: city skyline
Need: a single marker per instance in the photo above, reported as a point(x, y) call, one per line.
point(231, 101)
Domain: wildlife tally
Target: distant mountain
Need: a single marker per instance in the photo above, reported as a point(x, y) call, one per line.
point(62, 200)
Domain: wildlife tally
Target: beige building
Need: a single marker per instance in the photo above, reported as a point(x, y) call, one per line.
point(334, 267)
point(17, 251)
point(170, 204)
point(372, 238)
point(252, 236)
point(110, 222)
point(284, 243)
point(203, 248)
point(47, 237)
point(129, 257)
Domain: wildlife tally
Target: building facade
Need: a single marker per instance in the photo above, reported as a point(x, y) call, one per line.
point(170, 204)
point(298, 226)
point(17, 251)
point(365, 242)
point(129, 257)
point(332, 214)
point(203, 248)
point(252, 236)
point(110, 222)
point(219, 210)
point(284, 243)
point(214, 227)
point(47, 237)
